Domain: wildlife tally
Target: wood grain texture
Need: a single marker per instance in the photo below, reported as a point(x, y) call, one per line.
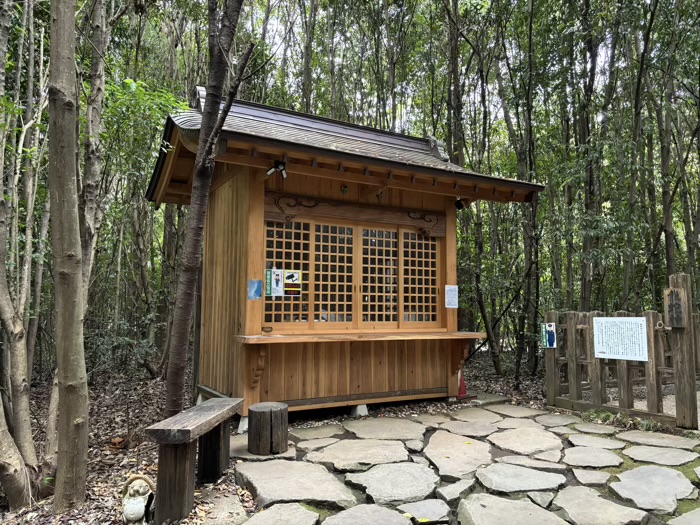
point(175, 481)
point(357, 336)
point(190, 424)
point(214, 450)
point(267, 428)
point(682, 341)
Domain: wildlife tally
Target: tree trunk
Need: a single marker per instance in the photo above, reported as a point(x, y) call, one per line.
point(309, 20)
point(220, 41)
point(67, 253)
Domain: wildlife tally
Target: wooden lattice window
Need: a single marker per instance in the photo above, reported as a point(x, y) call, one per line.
point(420, 278)
point(380, 256)
point(333, 271)
point(287, 247)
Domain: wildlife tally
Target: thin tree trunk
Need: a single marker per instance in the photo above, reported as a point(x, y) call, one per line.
point(220, 40)
point(66, 247)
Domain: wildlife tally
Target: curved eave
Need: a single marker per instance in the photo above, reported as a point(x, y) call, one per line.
point(160, 162)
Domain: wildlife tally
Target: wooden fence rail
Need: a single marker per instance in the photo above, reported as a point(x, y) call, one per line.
point(577, 380)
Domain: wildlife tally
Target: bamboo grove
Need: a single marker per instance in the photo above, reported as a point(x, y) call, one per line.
point(598, 100)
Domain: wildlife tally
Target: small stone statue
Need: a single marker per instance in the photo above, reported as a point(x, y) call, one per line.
point(137, 500)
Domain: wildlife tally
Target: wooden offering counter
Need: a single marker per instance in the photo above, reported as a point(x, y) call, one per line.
point(330, 265)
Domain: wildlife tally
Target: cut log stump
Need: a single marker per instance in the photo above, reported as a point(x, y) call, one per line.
point(267, 428)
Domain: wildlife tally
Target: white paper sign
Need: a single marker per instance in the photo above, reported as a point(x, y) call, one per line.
point(451, 296)
point(620, 338)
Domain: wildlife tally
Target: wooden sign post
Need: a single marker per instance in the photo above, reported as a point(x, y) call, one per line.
point(678, 316)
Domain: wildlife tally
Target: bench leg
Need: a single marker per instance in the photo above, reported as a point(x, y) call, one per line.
point(214, 450)
point(175, 485)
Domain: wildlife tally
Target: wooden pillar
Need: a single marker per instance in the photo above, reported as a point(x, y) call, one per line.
point(624, 377)
point(214, 450)
point(175, 495)
point(678, 305)
point(656, 358)
point(267, 428)
point(597, 372)
point(572, 356)
point(551, 360)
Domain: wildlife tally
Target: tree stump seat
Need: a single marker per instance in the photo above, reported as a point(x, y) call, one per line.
point(210, 424)
point(267, 428)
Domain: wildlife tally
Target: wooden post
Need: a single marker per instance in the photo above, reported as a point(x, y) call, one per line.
point(572, 356)
point(175, 483)
point(552, 363)
point(596, 373)
point(625, 393)
point(214, 450)
point(656, 355)
point(678, 315)
point(267, 428)
point(696, 339)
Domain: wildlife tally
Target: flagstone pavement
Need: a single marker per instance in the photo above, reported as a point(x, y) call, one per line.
point(497, 464)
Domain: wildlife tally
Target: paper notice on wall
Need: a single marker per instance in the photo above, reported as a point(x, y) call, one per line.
point(620, 338)
point(292, 282)
point(274, 284)
point(451, 296)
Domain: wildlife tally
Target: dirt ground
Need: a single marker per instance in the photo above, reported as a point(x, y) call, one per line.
point(121, 407)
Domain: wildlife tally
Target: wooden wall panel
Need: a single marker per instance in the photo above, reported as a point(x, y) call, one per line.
point(333, 189)
point(336, 372)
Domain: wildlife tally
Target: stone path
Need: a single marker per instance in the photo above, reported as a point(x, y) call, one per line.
point(494, 464)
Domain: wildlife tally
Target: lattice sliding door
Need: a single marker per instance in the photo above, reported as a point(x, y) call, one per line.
point(287, 247)
point(380, 286)
point(421, 281)
point(333, 275)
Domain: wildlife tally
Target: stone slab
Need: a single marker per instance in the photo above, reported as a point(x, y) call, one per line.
point(594, 478)
point(284, 514)
point(359, 454)
point(523, 461)
point(420, 460)
point(591, 457)
point(543, 499)
point(595, 428)
point(585, 506)
point(476, 415)
point(414, 445)
point(515, 410)
point(526, 441)
point(563, 430)
point(657, 439)
point(518, 422)
point(238, 449)
point(469, 428)
point(281, 481)
point(503, 477)
point(427, 510)
point(484, 399)
point(454, 492)
point(368, 515)
point(456, 456)
point(587, 440)
point(386, 428)
point(485, 509)
point(689, 518)
point(671, 457)
point(315, 444)
point(548, 455)
point(396, 483)
point(557, 420)
point(431, 420)
point(321, 431)
point(653, 488)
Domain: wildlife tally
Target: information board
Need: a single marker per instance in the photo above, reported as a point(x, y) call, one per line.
point(620, 338)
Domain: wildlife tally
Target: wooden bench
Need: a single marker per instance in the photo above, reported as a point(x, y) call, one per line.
point(208, 422)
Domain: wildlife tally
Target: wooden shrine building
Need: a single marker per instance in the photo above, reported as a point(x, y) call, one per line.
point(330, 258)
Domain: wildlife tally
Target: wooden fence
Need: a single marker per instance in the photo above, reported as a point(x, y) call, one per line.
point(577, 380)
